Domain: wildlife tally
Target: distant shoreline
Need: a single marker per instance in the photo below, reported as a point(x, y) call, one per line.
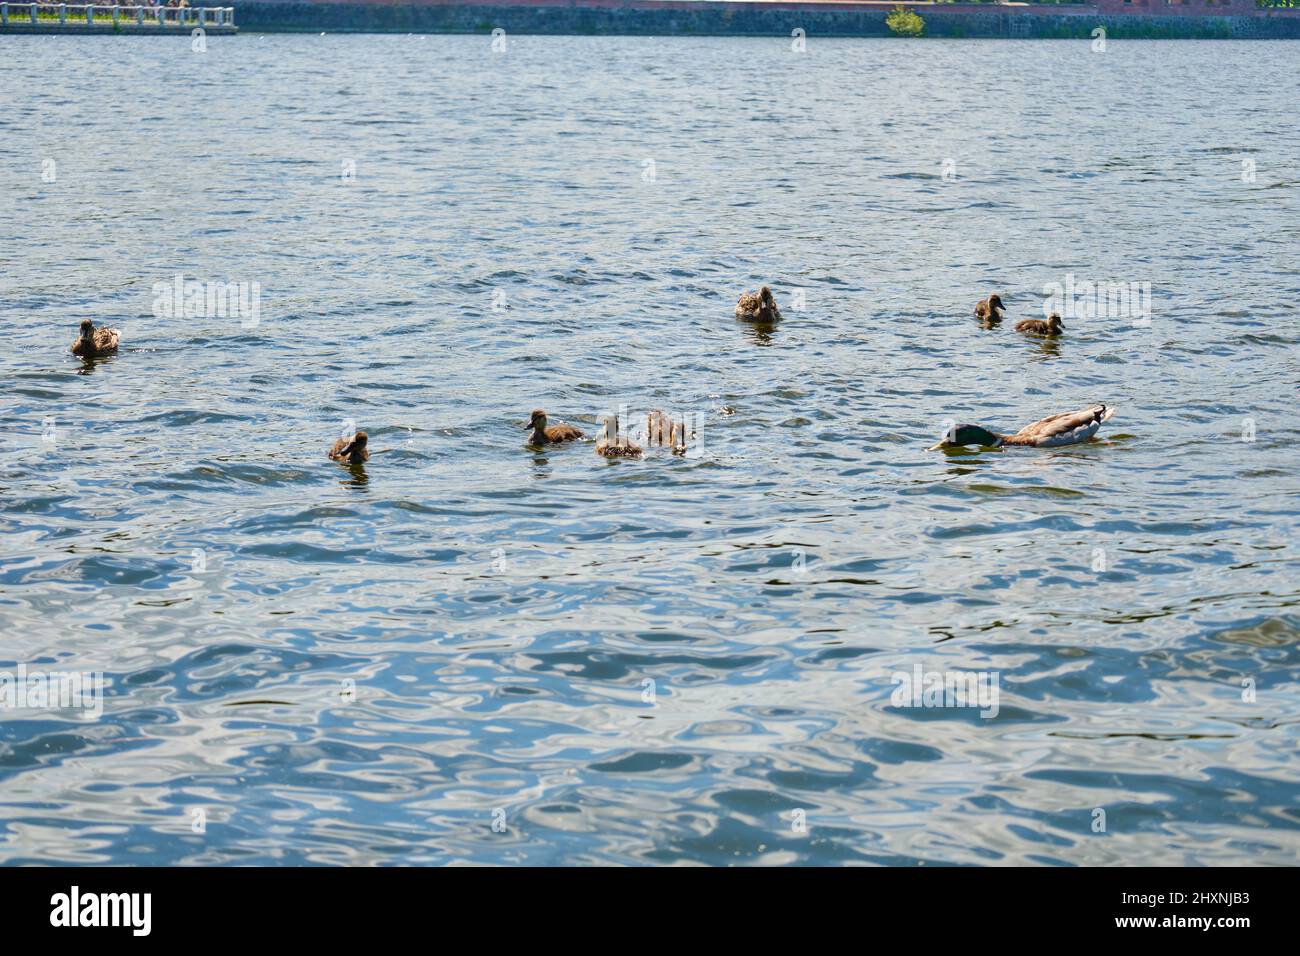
point(1121, 19)
point(1223, 19)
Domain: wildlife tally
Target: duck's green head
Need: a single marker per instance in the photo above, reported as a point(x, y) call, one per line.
point(959, 435)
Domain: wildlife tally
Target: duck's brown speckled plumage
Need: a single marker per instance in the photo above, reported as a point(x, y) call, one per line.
point(626, 449)
point(758, 306)
point(989, 311)
point(352, 451)
point(1066, 428)
point(554, 435)
point(662, 430)
point(610, 444)
point(94, 342)
point(1052, 325)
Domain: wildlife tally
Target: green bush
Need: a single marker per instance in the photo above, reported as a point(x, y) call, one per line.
point(904, 23)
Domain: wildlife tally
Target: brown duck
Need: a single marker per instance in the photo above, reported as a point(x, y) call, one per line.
point(989, 311)
point(1038, 327)
point(554, 435)
point(758, 307)
point(660, 429)
point(610, 444)
point(351, 451)
point(1068, 428)
point(94, 342)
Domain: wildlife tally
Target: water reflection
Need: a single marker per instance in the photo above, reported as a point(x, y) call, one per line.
point(357, 476)
point(1048, 347)
point(762, 332)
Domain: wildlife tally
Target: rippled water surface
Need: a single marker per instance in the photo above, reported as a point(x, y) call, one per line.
point(660, 661)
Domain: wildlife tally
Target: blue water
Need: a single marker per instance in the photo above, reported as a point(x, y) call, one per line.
point(682, 659)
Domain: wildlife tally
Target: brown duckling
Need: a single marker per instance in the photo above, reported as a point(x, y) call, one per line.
point(758, 307)
point(612, 445)
point(550, 436)
point(989, 311)
point(1038, 327)
point(662, 430)
point(94, 342)
point(351, 451)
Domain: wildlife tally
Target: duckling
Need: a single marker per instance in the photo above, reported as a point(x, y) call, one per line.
point(550, 436)
point(351, 451)
point(611, 445)
point(989, 311)
point(660, 429)
point(94, 342)
point(760, 307)
point(1068, 428)
point(1038, 327)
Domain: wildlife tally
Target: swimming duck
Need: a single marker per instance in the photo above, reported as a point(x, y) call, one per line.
point(1038, 327)
point(352, 451)
point(550, 436)
point(612, 445)
point(989, 311)
point(758, 307)
point(660, 429)
point(94, 342)
point(1068, 428)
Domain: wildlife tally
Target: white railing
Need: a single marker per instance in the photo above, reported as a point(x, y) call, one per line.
point(91, 14)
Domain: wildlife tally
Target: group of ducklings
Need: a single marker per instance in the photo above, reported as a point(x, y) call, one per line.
point(612, 442)
point(989, 312)
point(1067, 428)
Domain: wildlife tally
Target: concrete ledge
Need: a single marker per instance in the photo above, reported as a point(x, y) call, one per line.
point(120, 29)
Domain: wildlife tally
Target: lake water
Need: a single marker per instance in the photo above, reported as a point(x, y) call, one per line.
point(474, 651)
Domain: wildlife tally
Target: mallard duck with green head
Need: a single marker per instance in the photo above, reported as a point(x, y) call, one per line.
point(1068, 428)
